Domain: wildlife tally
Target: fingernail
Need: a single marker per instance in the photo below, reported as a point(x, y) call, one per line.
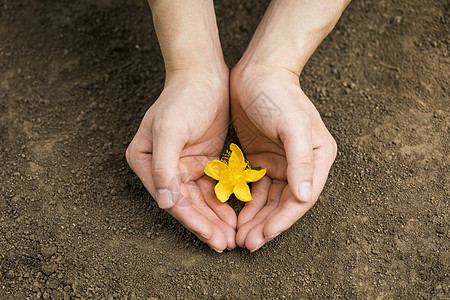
point(305, 192)
point(164, 198)
point(205, 236)
point(216, 249)
point(269, 238)
point(262, 244)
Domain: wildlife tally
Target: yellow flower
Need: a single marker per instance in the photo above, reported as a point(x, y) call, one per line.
point(233, 173)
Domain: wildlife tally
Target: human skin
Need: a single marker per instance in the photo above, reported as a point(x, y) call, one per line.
point(294, 144)
point(186, 126)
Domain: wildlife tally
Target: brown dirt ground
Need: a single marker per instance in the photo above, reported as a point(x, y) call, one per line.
point(75, 222)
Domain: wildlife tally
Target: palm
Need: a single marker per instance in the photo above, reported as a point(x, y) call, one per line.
point(261, 109)
point(196, 204)
point(264, 152)
point(257, 118)
point(178, 119)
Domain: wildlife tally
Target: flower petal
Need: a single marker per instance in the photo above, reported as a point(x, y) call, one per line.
point(236, 161)
point(253, 175)
point(242, 191)
point(215, 168)
point(223, 190)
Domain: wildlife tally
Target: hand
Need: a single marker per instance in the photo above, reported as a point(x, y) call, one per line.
point(183, 130)
point(280, 129)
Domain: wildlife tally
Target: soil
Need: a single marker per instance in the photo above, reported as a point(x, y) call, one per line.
point(75, 80)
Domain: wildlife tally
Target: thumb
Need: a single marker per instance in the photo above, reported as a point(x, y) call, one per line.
point(166, 155)
point(297, 142)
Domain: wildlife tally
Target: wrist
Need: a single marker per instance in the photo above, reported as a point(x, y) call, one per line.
point(188, 35)
point(214, 69)
point(248, 72)
point(209, 79)
point(290, 31)
point(197, 55)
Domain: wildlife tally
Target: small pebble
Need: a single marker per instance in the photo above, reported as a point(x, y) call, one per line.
point(48, 251)
point(67, 288)
point(10, 274)
point(397, 20)
point(52, 283)
point(49, 269)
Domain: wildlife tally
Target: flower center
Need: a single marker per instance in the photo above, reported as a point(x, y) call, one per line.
point(237, 177)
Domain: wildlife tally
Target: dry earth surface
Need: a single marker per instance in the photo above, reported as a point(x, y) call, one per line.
point(75, 80)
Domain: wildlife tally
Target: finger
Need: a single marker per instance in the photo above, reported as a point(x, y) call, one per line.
point(229, 233)
point(292, 210)
point(224, 211)
point(224, 236)
point(217, 242)
point(194, 220)
point(296, 137)
point(139, 151)
point(194, 165)
point(275, 163)
point(324, 157)
point(260, 191)
point(255, 238)
point(140, 161)
point(167, 148)
point(273, 199)
point(285, 217)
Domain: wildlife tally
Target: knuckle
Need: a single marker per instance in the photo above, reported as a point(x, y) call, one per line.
point(133, 152)
point(272, 202)
point(334, 148)
point(255, 195)
point(131, 155)
point(331, 147)
point(128, 154)
point(303, 162)
point(166, 207)
point(159, 171)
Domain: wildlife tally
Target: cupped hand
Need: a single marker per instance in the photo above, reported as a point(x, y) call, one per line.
point(280, 129)
point(183, 130)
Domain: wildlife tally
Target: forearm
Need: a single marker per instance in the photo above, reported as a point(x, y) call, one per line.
point(290, 31)
point(188, 35)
